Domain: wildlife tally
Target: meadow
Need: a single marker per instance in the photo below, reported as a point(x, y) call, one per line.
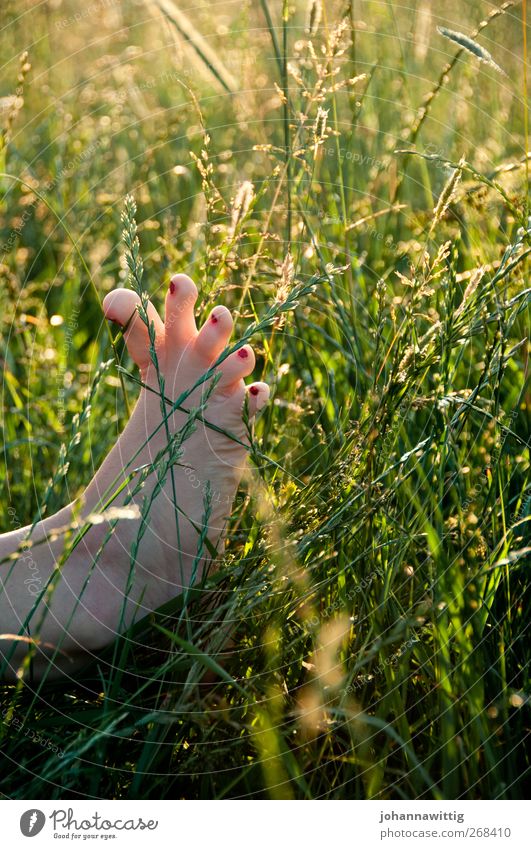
point(351, 177)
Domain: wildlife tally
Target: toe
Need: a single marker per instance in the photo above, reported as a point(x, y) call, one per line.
point(238, 365)
point(214, 334)
point(120, 306)
point(180, 300)
point(257, 397)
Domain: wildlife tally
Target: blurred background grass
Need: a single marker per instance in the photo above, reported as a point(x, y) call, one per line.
point(375, 573)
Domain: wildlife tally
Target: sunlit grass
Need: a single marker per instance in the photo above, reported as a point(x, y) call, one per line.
point(374, 579)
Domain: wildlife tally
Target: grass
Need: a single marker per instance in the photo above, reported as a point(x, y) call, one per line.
point(361, 202)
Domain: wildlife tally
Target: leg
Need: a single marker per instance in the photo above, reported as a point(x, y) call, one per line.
point(145, 563)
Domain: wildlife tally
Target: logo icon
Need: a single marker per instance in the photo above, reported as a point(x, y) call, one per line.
point(32, 822)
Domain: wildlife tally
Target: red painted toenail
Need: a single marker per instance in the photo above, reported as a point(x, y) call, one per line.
point(114, 320)
point(243, 353)
point(214, 319)
point(172, 287)
point(254, 390)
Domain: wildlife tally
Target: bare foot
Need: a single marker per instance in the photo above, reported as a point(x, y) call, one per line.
point(181, 508)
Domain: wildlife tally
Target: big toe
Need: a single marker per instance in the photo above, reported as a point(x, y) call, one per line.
point(121, 306)
point(179, 315)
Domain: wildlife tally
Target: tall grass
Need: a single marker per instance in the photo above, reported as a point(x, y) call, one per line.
point(374, 579)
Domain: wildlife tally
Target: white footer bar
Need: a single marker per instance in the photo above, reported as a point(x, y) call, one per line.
point(265, 824)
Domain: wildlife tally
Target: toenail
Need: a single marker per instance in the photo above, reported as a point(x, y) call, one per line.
point(114, 320)
point(214, 319)
point(254, 390)
point(243, 353)
point(172, 287)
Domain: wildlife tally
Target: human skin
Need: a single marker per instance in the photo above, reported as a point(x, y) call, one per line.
point(108, 582)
